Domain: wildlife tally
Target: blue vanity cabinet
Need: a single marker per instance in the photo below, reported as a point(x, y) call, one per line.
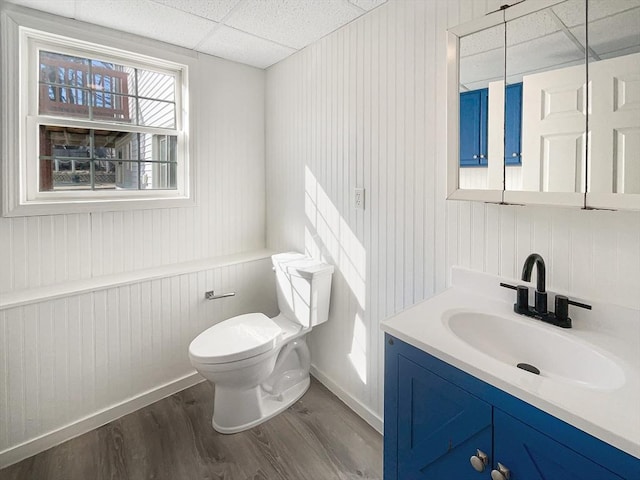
point(473, 127)
point(474, 117)
point(437, 416)
point(524, 449)
point(513, 124)
point(438, 424)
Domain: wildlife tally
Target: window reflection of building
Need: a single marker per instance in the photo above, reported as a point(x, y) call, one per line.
point(93, 157)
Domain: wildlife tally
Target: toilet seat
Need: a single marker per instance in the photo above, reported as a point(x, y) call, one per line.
point(237, 338)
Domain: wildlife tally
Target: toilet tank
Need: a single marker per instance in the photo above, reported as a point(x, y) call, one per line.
point(303, 287)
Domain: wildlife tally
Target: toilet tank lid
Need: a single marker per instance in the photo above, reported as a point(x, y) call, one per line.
point(237, 338)
point(294, 263)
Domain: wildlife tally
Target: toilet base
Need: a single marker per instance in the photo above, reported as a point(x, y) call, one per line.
point(269, 406)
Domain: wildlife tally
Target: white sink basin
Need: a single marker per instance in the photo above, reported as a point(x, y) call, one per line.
point(558, 356)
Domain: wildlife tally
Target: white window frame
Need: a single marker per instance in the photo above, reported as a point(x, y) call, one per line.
point(23, 36)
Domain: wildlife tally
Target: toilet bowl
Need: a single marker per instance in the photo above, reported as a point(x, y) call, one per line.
point(260, 365)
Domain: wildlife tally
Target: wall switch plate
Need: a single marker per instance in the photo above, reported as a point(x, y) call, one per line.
point(358, 198)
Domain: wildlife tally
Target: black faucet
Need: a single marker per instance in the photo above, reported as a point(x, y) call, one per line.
point(539, 311)
point(541, 294)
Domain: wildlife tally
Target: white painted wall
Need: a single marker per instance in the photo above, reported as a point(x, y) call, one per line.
point(365, 107)
point(71, 363)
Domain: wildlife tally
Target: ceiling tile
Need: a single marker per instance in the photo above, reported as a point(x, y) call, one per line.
point(146, 18)
point(295, 23)
point(531, 27)
point(241, 47)
point(215, 10)
point(617, 34)
point(64, 8)
point(571, 12)
point(597, 9)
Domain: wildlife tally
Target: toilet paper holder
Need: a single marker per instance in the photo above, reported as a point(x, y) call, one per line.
point(210, 295)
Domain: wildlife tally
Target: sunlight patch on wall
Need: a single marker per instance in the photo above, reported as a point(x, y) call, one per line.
point(358, 354)
point(333, 233)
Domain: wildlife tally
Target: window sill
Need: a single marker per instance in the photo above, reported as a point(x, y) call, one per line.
point(69, 206)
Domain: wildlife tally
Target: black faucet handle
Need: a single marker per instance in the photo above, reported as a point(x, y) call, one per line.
point(522, 299)
point(562, 307)
point(562, 311)
point(578, 304)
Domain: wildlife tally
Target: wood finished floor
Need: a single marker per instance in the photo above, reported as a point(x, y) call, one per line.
point(318, 438)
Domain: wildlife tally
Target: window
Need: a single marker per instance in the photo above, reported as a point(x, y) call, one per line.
point(100, 127)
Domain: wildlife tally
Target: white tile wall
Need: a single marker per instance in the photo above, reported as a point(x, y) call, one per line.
point(365, 107)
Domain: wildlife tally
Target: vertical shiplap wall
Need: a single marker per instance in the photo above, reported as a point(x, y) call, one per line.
point(67, 360)
point(365, 107)
point(228, 134)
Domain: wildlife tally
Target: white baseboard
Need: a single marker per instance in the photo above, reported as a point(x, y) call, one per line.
point(51, 439)
point(358, 407)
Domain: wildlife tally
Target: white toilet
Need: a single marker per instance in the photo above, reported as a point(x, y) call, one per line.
point(260, 365)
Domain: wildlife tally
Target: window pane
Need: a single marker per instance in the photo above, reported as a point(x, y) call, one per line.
point(112, 78)
point(157, 114)
point(113, 108)
point(158, 175)
point(156, 86)
point(158, 147)
point(127, 175)
point(115, 145)
point(64, 157)
point(104, 175)
point(76, 178)
point(63, 85)
point(81, 158)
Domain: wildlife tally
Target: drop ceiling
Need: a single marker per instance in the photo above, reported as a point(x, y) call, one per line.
point(255, 32)
point(549, 39)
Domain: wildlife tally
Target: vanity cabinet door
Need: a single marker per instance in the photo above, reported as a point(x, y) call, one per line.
point(513, 124)
point(473, 128)
point(439, 426)
point(532, 455)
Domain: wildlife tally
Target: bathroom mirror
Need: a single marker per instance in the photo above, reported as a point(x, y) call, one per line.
point(613, 173)
point(481, 105)
point(475, 61)
point(544, 106)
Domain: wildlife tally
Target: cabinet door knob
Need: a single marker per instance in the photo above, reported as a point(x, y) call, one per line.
point(479, 461)
point(514, 154)
point(502, 473)
point(481, 156)
point(475, 156)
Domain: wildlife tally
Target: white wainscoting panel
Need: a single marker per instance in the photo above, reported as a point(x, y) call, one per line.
point(66, 360)
point(366, 107)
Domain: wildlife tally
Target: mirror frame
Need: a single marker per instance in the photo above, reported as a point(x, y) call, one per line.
point(587, 200)
point(453, 110)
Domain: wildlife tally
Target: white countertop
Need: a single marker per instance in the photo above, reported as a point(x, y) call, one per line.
point(612, 415)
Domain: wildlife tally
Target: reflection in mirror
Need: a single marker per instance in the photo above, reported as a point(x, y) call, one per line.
point(545, 111)
point(481, 105)
point(614, 79)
